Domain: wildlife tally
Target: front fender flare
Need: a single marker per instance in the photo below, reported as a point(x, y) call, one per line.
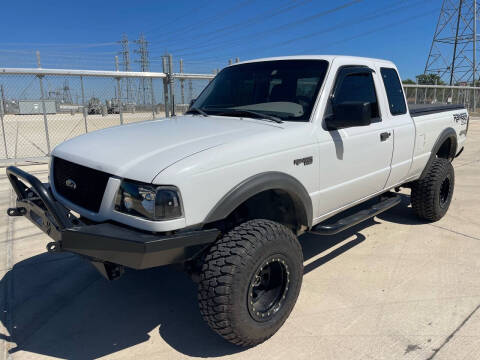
point(263, 182)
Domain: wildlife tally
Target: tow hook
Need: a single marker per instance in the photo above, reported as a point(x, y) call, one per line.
point(54, 246)
point(19, 211)
point(108, 270)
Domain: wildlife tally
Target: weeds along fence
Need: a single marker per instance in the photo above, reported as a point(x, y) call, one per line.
point(40, 108)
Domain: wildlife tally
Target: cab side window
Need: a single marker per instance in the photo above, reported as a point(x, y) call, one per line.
point(393, 87)
point(357, 87)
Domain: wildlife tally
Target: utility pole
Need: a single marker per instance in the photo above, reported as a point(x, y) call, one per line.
point(39, 64)
point(453, 52)
point(165, 85)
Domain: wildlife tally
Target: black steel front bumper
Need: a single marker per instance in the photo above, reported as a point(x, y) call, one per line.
point(103, 243)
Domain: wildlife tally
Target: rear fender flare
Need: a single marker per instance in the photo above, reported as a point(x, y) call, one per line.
point(448, 133)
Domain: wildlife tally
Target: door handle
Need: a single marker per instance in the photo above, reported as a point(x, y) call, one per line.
point(385, 135)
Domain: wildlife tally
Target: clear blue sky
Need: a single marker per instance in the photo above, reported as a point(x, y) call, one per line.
point(83, 34)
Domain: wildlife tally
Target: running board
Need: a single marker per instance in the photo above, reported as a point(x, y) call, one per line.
point(349, 221)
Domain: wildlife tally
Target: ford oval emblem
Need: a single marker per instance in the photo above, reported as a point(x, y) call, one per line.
point(71, 184)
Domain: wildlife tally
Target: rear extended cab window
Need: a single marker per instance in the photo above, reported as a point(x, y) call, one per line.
point(393, 87)
point(354, 83)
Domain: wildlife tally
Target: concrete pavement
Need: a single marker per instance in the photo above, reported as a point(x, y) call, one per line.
point(391, 288)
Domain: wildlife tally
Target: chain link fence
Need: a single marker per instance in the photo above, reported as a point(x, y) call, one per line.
point(41, 108)
point(468, 96)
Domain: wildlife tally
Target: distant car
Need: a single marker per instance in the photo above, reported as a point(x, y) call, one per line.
point(271, 149)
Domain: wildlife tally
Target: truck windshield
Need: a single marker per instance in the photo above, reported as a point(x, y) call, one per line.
point(284, 89)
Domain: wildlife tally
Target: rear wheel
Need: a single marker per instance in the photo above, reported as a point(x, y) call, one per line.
point(250, 281)
point(432, 195)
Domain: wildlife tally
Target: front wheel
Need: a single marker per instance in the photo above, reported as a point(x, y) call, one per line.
point(250, 281)
point(431, 196)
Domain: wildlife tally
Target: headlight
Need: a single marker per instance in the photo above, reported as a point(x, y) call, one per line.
point(148, 201)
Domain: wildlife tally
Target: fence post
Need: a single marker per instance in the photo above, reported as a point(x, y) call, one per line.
point(172, 84)
point(153, 98)
point(119, 93)
point(416, 93)
point(474, 98)
point(45, 120)
point(182, 83)
point(2, 112)
point(84, 109)
point(119, 100)
point(165, 86)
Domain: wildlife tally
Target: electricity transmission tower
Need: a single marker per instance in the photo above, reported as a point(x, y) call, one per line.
point(453, 53)
point(145, 85)
point(62, 95)
point(125, 54)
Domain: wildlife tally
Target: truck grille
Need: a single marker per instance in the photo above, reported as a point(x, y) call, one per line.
point(79, 184)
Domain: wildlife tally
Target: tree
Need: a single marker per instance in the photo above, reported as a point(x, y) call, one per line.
point(430, 79)
point(408, 81)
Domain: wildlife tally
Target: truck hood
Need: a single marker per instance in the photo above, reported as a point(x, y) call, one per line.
point(140, 151)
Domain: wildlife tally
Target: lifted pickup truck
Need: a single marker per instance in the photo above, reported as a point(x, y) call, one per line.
point(271, 149)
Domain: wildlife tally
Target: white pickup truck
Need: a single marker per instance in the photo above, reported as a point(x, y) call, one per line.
point(271, 149)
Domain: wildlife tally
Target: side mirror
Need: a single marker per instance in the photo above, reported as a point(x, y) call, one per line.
point(191, 103)
point(350, 114)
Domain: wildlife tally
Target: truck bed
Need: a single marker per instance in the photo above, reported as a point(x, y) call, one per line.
point(425, 109)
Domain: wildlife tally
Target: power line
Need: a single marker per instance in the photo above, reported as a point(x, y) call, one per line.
point(376, 30)
point(282, 27)
point(67, 45)
point(220, 32)
point(374, 15)
point(208, 20)
point(176, 19)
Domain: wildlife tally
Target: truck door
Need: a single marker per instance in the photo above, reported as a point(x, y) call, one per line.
point(402, 124)
point(355, 160)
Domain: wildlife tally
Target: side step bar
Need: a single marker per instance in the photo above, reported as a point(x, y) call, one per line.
point(354, 219)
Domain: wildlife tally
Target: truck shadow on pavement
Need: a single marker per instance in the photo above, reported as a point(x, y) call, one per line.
point(58, 305)
point(402, 213)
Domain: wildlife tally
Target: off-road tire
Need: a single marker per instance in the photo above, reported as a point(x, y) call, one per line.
point(429, 198)
point(229, 273)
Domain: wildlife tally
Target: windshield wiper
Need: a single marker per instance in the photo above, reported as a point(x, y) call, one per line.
point(257, 115)
point(194, 110)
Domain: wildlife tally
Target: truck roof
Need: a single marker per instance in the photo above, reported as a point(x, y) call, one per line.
point(328, 58)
